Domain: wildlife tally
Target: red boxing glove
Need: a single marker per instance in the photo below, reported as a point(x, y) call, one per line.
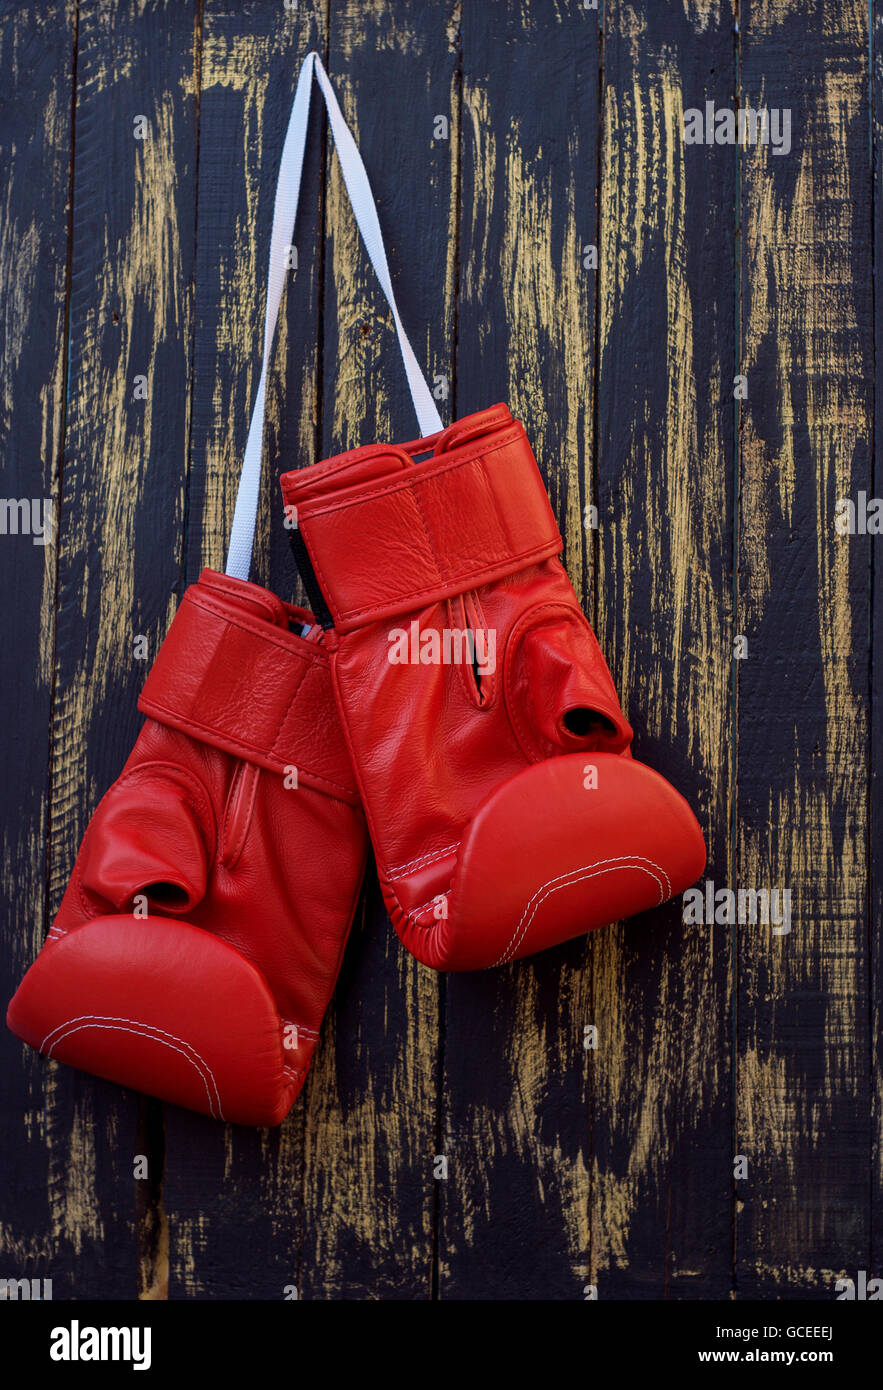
point(200, 936)
point(486, 734)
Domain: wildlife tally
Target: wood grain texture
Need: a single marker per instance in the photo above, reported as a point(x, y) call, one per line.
point(116, 552)
point(36, 56)
point(803, 1097)
point(369, 1194)
point(516, 1117)
point(232, 1198)
point(567, 1168)
point(663, 1156)
point(121, 521)
point(875, 839)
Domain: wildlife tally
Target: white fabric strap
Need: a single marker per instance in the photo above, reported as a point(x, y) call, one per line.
point(282, 237)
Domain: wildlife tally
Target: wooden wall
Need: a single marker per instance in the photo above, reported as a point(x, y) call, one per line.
point(568, 1168)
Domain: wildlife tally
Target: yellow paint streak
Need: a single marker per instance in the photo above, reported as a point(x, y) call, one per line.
point(657, 1070)
point(156, 1275)
point(145, 277)
point(366, 1165)
point(707, 14)
point(77, 1213)
point(548, 293)
point(805, 236)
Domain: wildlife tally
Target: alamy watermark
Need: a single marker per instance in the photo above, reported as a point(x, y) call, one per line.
point(86, 1343)
point(862, 517)
point(27, 516)
point(720, 125)
point(26, 1290)
point(738, 907)
point(861, 1290)
point(448, 646)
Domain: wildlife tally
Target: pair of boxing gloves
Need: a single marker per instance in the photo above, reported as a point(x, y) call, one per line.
point(447, 690)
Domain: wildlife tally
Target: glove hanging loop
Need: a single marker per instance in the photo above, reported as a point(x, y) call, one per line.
point(284, 216)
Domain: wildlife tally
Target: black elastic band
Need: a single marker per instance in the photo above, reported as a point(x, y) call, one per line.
point(311, 584)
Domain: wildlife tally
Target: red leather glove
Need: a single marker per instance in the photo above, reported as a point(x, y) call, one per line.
point(505, 810)
point(214, 998)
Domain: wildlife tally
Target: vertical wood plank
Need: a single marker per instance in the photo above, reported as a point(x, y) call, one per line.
point(120, 514)
point(232, 1196)
point(803, 1102)
point(875, 840)
point(37, 55)
point(516, 1120)
point(369, 1193)
point(251, 55)
point(612, 1167)
point(663, 1160)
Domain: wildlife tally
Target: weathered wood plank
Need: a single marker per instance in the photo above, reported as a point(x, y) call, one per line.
point(516, 1119)
point(803, 1102)
point(251, 55)
point(662, 1113)
point(369, 1193)
point(613, 1167)
point(37, 63)
point(231, 1196)
point(121, 511)
point(875, 864)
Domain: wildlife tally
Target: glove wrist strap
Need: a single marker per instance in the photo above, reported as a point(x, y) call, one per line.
point(255, 690)
point(428, 531)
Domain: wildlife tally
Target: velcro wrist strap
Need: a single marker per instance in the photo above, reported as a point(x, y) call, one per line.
point(435, 529)
point(254, 690)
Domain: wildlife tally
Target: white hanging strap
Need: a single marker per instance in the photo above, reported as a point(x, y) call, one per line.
point(281, 238)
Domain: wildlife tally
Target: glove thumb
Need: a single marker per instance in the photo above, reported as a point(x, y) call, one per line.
point(152, 837)
point(560, 694)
